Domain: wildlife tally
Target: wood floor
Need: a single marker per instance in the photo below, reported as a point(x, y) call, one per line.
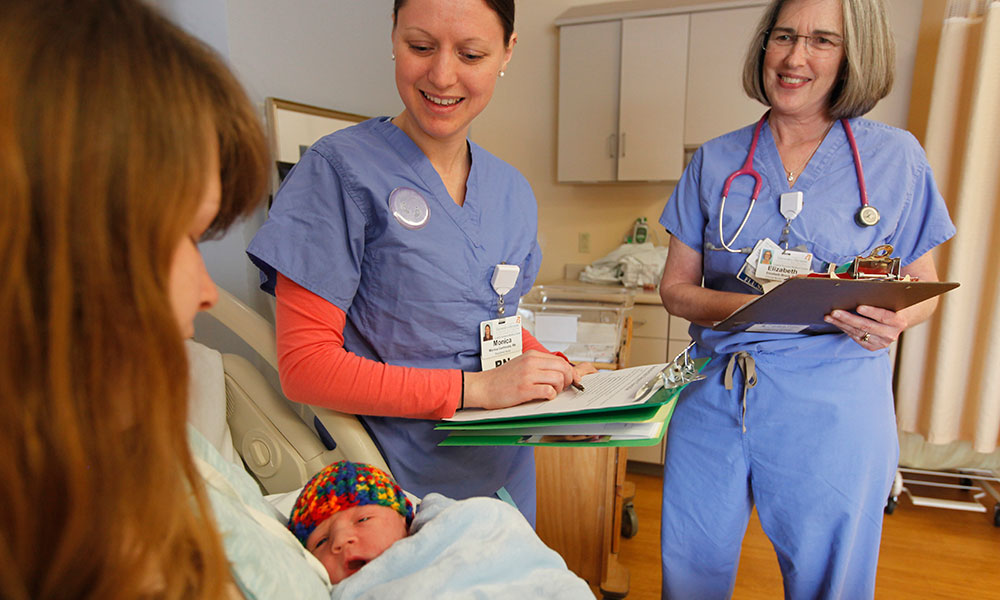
point(926, 553)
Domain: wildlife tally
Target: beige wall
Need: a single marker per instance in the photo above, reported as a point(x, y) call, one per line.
point(520, 127)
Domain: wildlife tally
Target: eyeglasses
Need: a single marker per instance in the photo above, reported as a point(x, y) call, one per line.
point(816, 45)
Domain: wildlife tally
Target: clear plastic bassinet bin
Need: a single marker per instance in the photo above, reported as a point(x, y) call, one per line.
point(585, 324)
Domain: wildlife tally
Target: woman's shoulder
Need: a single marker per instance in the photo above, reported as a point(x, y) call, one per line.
point(346, 141)
point(884, 136)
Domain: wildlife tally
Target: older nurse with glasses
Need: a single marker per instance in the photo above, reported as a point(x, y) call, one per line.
point(799, 426)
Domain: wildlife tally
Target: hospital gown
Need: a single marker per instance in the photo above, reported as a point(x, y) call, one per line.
point(820, 450)
point(413, 297)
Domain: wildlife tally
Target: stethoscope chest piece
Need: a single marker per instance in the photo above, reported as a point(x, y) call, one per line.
point(867, 216)
point(409, 208)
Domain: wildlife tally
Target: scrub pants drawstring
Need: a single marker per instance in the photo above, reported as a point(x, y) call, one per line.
point(748, 366)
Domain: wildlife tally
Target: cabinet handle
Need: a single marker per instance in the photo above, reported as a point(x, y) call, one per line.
point(612, 150)
point(623, 145)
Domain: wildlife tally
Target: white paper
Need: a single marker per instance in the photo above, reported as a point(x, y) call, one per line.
point(606, 389)
point(776, 328)
point(556, 327)
point(624, 431)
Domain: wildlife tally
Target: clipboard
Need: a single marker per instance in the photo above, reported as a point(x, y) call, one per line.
point(798, 305)
point(654, 408)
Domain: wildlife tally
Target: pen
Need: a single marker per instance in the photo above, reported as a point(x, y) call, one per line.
point(575, 384)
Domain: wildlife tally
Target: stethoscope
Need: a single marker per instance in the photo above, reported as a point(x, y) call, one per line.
point(866, 216)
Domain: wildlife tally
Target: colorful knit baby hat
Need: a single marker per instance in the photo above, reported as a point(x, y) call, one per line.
point(344, 485)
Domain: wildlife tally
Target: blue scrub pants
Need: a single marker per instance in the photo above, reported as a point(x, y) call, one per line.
point(817, 459)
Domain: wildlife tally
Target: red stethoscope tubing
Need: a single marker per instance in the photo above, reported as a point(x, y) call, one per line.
point(857, 162)
point(747, 169)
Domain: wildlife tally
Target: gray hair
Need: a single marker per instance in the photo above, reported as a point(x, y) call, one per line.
point(867, 72)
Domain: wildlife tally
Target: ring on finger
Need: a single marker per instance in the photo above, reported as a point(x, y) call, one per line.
point(865, 337)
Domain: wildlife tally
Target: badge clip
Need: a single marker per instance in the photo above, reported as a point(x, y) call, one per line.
point(504, 279)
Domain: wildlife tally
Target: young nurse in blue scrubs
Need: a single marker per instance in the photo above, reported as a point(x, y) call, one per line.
point(800, 426)
point(381, 249)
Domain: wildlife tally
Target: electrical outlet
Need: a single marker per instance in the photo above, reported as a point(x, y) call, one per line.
point(583, 243)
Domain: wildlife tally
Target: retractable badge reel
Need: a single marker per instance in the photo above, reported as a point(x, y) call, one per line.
point(504, 280)
point(789, 205)
point(501, 337)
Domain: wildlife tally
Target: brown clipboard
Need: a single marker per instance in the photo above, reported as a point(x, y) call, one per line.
point(800, 303)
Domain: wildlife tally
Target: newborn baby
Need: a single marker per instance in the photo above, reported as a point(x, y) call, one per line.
point(348, 514)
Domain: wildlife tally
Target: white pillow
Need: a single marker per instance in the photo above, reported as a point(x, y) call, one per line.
point(207, 399)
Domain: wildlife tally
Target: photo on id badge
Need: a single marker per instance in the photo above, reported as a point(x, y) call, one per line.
point(769, 264)
point(500, 341)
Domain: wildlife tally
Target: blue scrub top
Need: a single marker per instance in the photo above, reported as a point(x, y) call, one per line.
point(900, 185)
point(413, 297)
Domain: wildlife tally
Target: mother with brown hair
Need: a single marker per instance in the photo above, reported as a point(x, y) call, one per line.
point(123, 142)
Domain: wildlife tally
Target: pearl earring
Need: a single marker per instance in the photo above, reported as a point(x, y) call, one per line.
point(501, 73)
point(393, 56)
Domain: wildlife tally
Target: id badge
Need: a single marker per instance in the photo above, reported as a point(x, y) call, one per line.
point(747, 273)
point(777, 264)
point(500, 341)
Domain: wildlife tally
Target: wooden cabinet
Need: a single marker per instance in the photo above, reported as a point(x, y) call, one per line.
point(651, 111)
point(634, 92)
point(589, 70)
point(621, 104)
point(642, 82)
point(716, 103)
point(650, 324)
point(580, 496)
point(666, 336)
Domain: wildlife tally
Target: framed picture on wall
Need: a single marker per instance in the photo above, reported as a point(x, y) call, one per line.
point(294, 127)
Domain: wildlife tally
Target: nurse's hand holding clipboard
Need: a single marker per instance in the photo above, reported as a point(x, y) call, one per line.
point(532, 376)
point(876, 328)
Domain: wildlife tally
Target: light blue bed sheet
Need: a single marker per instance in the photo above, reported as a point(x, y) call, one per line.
point(473, 548)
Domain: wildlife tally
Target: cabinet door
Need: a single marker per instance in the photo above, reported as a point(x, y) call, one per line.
point(589, 59)
point(651, 116)
point(716, 102)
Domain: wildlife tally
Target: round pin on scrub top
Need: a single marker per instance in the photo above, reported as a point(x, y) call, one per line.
point(409, 208)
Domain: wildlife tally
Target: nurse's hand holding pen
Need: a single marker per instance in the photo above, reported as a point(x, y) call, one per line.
point(532, 376)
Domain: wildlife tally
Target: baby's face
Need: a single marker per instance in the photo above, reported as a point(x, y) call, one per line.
point(350, 538)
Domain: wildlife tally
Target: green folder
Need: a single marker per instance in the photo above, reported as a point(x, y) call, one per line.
point(507, 432)
point(501, 437)
point(630, 414)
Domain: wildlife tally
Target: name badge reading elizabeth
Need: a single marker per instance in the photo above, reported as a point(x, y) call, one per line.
point(776, 264)
point(500, 341)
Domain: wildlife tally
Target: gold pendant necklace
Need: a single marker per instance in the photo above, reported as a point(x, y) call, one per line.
point(791, 174)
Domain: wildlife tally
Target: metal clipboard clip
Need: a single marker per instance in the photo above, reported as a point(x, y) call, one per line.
point(679, 372)
point(879, 264)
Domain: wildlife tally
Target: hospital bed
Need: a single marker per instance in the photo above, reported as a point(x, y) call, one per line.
point(469, 548)
point(282, 443)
